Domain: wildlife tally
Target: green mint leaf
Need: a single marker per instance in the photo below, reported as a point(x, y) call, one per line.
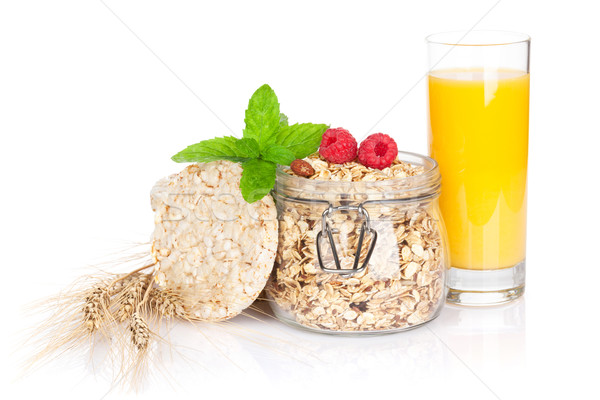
point(278, 154)
point(301, 139)
point(223, 148)
point(262, 117)
point(248, 147)
point(258, 178)
point(283, 120)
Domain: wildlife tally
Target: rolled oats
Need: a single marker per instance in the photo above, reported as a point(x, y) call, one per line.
point(355, 172)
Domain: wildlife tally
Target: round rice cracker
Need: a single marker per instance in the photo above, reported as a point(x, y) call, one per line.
point(211, 246)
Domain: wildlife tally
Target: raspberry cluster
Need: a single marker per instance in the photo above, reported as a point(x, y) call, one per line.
point(378, 150)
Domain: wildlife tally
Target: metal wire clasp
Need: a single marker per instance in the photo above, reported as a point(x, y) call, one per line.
point(365, 227)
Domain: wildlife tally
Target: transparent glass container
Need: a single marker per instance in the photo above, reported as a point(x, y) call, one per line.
point(360, 257)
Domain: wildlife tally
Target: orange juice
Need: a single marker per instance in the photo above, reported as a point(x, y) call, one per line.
point(478, 133)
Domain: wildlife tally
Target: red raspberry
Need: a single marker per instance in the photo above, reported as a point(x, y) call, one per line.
point(338, 146)
point(377, 151)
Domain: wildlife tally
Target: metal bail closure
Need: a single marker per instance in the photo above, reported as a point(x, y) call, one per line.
point(365, 227)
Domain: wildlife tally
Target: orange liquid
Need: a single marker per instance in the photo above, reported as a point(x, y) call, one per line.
point(479, 122)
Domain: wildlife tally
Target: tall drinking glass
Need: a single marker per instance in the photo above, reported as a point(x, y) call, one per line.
point(478, 133)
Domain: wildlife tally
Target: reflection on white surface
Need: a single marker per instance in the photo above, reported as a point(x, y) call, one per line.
point(463, 347)
point(268, 349)
point(485, 334)
point(460, 341)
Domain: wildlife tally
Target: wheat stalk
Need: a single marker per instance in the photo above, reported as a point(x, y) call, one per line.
point(131, 296)
point(140, 332)
point(96, 306)
point(96, 302)
point(166, 303)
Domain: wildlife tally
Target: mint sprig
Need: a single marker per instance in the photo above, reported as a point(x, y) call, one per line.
point(268, 140)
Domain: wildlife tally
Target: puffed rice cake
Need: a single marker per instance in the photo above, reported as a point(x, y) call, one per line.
point(209, 243)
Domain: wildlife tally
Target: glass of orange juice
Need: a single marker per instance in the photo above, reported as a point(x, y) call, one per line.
point(478, 133)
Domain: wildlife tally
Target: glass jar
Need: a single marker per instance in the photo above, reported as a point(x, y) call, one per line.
point(359, 257)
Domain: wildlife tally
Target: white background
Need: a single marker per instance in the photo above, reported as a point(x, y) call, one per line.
point(93, 103)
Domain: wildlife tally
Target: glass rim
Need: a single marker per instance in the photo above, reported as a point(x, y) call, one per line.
point(442, 38)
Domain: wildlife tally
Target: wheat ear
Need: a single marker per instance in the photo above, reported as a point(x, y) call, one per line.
point(140, 332)
point(96, 303)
